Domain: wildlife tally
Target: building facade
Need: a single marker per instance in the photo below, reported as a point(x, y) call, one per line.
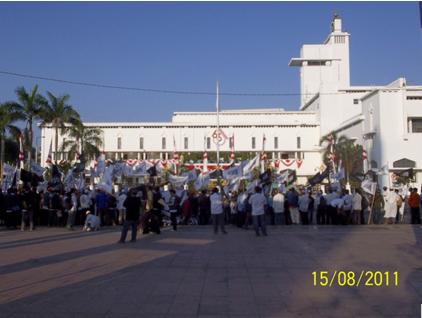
point(386, 120)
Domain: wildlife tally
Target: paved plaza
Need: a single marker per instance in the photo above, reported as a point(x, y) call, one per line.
point(193, 273)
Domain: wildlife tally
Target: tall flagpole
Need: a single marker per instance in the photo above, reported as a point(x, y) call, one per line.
point(217, 104)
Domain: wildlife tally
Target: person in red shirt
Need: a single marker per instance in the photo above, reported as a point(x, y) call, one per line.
point(414, 201)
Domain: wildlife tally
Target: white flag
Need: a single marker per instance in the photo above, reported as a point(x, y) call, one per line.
point(191, 175)
point(369, 186)
point(178, 181)
point(252, 164)
point(37, 169)
point(202, 181)
point(232, 173)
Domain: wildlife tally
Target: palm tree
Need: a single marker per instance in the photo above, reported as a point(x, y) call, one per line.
point(29, 106)
point(8, 115)
point(84, 140)
point(345, 150)
point(58, 113)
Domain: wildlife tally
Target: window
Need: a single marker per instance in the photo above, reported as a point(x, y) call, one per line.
point(208, 142)
point(253, 142)
point(163, 143)
point(231, 142)
point(141, 142)
point(355, 101)
point(298, 142)
point(119, 142)
point(287, 155)
point(415, 125)
point(186, 143)
point(275, 142)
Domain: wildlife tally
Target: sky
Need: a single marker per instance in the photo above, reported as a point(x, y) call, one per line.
point(188, 46)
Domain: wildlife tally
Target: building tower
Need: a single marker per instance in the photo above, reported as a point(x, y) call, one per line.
point(324, 68)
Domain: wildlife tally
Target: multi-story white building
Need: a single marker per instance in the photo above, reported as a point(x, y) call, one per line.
point(387, 120)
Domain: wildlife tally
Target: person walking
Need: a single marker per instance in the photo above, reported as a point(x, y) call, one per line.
point(132, 205)
point(258, 203)
point(217, 211)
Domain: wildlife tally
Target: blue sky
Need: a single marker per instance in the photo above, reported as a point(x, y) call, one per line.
point(188, 46)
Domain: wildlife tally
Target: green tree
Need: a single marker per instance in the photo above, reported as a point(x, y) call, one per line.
point(29, 107)
point(84, 140)
point(348, 152)
point(59, 114)
point(8, 116)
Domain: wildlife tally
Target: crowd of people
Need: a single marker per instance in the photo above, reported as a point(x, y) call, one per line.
point(148, 208)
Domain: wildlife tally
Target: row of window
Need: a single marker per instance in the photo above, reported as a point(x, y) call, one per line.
point(208, 142)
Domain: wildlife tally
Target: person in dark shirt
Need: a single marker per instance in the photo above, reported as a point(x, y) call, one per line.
point(204, 204)
point(132, 205)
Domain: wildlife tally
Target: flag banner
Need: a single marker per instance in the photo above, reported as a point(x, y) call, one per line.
point(368, 186)
point(119, 168)
point(138, 170)
point(191, 175)
point(202, 181)
point(287, 162)
point(265, 177)
point(56, 179)
point(232, 173)
point(381, 171)
point(69, 181)
point(100, 167)
point(79, 167)
point(319, 177)
point(250, 165)
point(408, 173)
point(29, 177)
point(250, 188)
point(9, 174)
point(287, 175)
point(215, 174)
point(178, 181)
point(106, 181)
point(37, 169)
point(299, 163)
point(233, 185)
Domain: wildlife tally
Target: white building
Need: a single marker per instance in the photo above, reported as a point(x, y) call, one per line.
point(387, 120)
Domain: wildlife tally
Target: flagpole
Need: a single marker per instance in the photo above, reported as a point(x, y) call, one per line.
point(217, 104)
point(218, 124)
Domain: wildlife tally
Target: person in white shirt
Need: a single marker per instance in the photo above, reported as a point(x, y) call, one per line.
point(92, 222)
point(278, 206)
point(217, 211)
point(120, 207)
point(303, 207)
point(331, 210)
point(356, 207)
point(391, 208)
point(258, 203)
point(347, 208)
